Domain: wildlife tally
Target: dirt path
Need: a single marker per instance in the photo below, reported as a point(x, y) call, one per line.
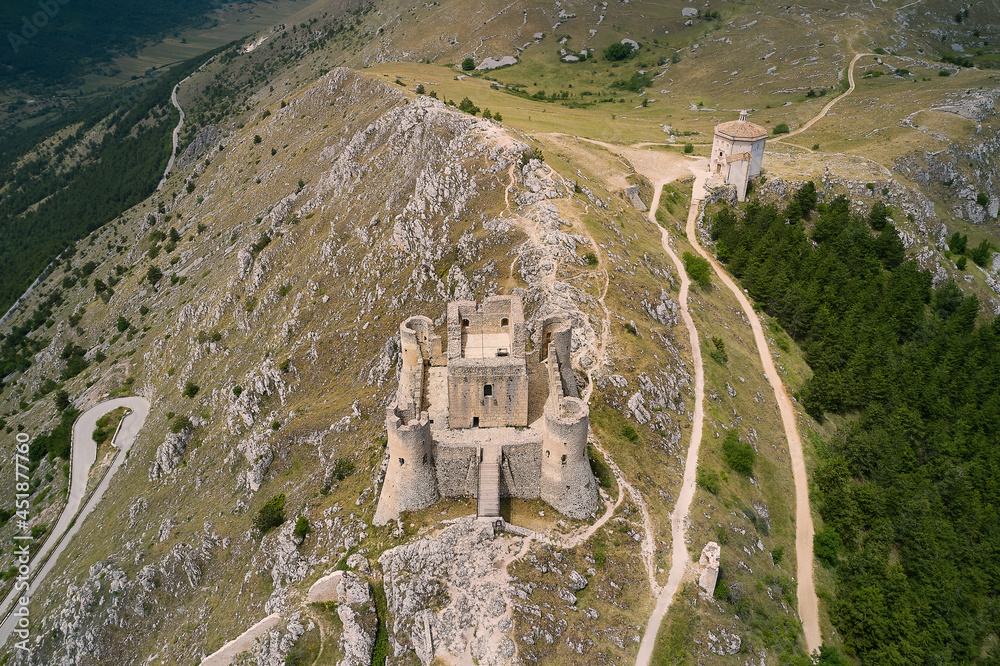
point(679, 517)
point(84, 453)
point(829, 105)
point(806, 588)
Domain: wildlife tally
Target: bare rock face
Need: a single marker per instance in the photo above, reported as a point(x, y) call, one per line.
point(206, 138)
point(708, 565)
point(446, 597)
point(169, 454)
point(356, 610)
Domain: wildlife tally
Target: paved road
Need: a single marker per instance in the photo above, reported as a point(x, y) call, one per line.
point(177, 131)
point(84, 454)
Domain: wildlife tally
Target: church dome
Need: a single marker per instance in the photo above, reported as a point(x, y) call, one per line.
point(741, 130)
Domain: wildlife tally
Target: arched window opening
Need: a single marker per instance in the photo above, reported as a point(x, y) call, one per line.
point(401, 462)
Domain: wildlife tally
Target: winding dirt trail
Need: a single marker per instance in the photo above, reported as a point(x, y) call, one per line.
point(829, 105)
point(805, 585)
point(679, 517)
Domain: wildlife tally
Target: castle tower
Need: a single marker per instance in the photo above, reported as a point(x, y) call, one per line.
point(738, 152)
point(410, 479)
point(567, 482)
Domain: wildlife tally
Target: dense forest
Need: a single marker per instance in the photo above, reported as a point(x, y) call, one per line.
point(909, 489)
point(122, 169)
point(56, 41)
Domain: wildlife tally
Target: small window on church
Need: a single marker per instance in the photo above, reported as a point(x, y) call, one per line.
point(548, 453)
point(487, 390)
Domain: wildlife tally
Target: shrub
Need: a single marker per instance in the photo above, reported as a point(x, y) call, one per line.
point(237, 391)
point(688, 148)
point(709, 480)
point(467, 106)
point(982, 199)
point(981, 253)
point(468, 65)
point(781, 128)
point(420, 89)
point(256, 138)
point(122, 324)
point(617, 52)
point(302, 528)
point(62, 400)
point(827, 545)
point(497, 117)
point(739, 455)
point(180, 424)
point(778, 554)
point(342, 469)
point(154, 275)
point(591, 258)
point(698, 269)
point(271, 515)
point(629, 432)
point(190, 187)
point(190, 390)
point(960, 264)
point(630, 327)
point(958, 243)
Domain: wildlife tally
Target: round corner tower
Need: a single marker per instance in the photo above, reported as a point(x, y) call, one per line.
point(567, 482)
point(410, 478)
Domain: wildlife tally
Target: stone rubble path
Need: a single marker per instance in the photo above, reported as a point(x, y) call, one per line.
point(84, 454)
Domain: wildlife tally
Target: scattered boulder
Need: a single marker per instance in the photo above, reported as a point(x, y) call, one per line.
point(708, 566)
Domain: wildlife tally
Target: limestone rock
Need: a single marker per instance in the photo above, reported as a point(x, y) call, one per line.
point(169, 454)
point(708, 566)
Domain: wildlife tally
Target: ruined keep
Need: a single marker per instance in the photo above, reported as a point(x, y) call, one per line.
point(487, 418)
point(738, 153)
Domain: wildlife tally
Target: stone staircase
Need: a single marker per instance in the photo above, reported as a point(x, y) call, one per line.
point(488, 504)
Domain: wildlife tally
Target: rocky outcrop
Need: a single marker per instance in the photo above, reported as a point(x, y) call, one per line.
point(708, 568)
point(446, 597)
point(169, 454)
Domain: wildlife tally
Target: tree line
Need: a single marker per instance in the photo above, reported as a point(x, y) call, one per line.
point(908, 488)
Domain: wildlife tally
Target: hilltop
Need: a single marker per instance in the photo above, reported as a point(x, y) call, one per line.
point(339, 174)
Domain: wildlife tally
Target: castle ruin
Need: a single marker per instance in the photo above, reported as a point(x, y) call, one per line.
point(486, 418)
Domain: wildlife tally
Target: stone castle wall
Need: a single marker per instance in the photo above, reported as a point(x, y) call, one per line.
point(520, 471)
point(508, 404)
point(457, 470)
